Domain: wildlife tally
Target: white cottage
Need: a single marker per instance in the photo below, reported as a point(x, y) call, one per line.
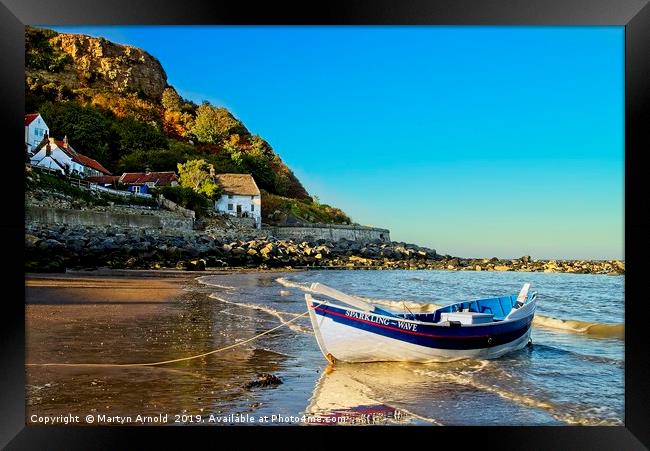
point(68, 159)
point(35, 130)
point(241, 197)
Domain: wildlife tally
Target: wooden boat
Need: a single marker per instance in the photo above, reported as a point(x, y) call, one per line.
point(353, 330)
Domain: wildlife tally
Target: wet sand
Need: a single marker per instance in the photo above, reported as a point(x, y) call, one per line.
point(128, 317)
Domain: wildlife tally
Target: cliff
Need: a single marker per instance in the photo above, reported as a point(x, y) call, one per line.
point(96, 63)
point(115, 105)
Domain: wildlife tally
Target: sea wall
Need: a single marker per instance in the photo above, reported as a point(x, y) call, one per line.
point(49, 215)
point(332, 232)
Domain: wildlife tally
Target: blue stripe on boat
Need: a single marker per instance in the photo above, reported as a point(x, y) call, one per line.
point(440, 337)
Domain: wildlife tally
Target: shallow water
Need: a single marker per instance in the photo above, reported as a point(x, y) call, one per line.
point(569, 375)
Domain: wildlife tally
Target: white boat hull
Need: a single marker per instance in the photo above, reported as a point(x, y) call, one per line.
point(355, 345)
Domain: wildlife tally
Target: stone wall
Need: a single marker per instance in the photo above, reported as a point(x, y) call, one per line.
point(332, 232)
point(49, 215)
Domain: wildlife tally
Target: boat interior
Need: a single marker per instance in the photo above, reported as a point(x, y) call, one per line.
point(480, 311)
point(499, 308)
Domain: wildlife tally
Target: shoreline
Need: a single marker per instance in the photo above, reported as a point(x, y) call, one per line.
point(55, 248)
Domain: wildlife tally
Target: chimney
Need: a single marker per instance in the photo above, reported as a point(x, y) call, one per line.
point(48, 150)
point(65, 141)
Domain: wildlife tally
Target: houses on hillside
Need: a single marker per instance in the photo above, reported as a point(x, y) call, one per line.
point(241, 197)
point(61, 157)
point(47, 152)
point(137, 182)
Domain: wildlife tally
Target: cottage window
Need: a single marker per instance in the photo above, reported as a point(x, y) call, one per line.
point(230, 207)
point(252, 197)
point(136, 189)
point(230, 197)
point(253, 207)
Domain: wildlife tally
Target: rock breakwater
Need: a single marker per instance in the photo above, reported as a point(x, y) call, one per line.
point(57, 247)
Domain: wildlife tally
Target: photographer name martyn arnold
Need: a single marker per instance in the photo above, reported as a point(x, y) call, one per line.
point(98, 418)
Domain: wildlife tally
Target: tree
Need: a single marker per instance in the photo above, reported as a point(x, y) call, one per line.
point(199, 176)
point(87, 129)
point(171, 101)
point(214, 124)
point(154, 159)
point(134, 135)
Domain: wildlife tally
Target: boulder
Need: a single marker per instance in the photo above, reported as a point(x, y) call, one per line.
point(31, 240)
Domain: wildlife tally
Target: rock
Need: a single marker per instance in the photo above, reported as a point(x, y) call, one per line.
point(31, 240)
point(264, 380)
point(502, 268)
point(478, 268)
point(525, 259)
point(50, 244)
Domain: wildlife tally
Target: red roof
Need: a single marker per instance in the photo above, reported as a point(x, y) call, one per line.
point(29, 118)
point(81, 159)
point(103, 179)
point(140, 178)
point(90, 163)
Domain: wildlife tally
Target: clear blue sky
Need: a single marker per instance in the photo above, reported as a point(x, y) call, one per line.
point(476, 141)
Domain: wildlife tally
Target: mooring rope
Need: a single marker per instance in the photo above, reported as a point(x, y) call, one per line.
point(122, 365)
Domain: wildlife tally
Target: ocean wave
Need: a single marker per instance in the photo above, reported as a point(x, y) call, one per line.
point(278, 314)
point(298, 285)
point(601, 330)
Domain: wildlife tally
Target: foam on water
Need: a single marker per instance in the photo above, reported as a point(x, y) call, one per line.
point(278, 314)
point(205, 281)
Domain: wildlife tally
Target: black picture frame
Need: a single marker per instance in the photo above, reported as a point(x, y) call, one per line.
point(634, 15)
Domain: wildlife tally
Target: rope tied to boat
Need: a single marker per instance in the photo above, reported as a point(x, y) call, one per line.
point(164, 362)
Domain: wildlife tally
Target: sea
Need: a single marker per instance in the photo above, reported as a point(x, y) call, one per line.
point(571, 374)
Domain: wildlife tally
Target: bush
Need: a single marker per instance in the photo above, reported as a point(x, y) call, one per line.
point(310, 212)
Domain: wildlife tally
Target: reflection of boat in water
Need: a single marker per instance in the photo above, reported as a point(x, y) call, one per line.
point(363, 332)
point(340, 398)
